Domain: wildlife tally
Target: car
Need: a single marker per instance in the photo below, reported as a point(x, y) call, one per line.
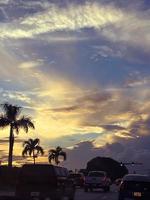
point(44, 181)
point(8, 181)
point(134, 186)
point(97, 179)
point(78, 179)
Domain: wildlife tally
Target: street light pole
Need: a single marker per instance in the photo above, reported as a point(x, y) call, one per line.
point(130, 163)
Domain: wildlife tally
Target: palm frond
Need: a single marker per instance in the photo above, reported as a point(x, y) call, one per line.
point(26, 143)
point(4, 121)
point(51, 157)
point(25, 151)
point(58, 149)
point(25, 123)
point(39, 150)
point(52, 151)
point(36, 141)
point(11, 111)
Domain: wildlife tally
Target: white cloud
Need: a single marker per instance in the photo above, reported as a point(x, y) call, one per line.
point(54, 18)
point(29, 64)
point(114, 23)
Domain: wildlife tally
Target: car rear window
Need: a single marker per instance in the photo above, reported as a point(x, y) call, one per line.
point(74, 175)
point(61, 171)
point(97, 174)
point(137, 186)
point(34, 174)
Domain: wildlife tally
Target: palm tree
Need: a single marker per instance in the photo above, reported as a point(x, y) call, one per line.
point(55, 153)
point(10, 118)
point(32, 148)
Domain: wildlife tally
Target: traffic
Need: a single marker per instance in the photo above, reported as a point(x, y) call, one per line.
point(50, 182)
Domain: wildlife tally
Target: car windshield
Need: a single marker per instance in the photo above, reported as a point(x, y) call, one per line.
point(97, 174)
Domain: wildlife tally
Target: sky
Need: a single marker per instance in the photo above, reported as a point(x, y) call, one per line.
point(80, 69)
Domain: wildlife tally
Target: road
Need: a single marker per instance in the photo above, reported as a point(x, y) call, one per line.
point(97, 194)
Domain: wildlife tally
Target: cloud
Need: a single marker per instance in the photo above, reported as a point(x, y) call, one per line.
point(29, 64)
point(110, 127)
point(114, 23)
point(55, 18)
point(105, 51)
point(131, 150)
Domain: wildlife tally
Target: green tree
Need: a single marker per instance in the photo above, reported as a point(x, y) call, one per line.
point(111, 166)
point(10, 117)
point(32, 148)
point(54, 155)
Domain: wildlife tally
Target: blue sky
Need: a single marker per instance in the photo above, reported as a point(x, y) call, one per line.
point(79, 68)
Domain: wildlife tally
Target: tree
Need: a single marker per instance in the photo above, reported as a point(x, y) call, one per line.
point(10, 118)
point(32, 148)
point(54, 155)
point(111, 166)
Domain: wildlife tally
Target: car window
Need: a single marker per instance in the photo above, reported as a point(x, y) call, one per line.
point(75, 175)
point(97, 174)
point(37, 173)
point(137, 185)
point(60, 171)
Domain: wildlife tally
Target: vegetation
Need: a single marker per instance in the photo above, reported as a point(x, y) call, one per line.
point(10, 118)
point(32, 148)
point(111, 166)
point(54, 155)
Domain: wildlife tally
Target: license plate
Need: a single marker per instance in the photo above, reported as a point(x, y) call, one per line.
point(137, 194)
point(34, 194)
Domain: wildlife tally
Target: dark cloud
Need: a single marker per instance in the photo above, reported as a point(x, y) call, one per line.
point(110, 127)
point(66, 109)
point(140, 126)
point(123, 150)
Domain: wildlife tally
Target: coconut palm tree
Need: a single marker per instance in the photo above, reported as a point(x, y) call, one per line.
point(54, 154)
point(10, 117)
point(32, 148)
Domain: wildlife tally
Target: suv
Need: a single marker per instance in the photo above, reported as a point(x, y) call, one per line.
point(8, 180)
point(97, 179)
point(135, 186)
point(44, 181)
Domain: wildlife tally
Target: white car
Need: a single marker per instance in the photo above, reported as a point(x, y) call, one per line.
point(97, 179)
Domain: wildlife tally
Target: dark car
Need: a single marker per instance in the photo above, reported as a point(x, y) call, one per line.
point(135, 186)
point(78, 179)
point(8, 181)
point(44, 181)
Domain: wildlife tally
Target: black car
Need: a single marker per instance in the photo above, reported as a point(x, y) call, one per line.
point(78, 179)
point(44, 181)
point(8, 181)
point(135, 186)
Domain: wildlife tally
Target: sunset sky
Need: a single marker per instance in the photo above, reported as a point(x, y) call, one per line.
point(81, 70)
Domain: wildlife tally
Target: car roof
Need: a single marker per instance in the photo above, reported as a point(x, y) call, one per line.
point(136, 177)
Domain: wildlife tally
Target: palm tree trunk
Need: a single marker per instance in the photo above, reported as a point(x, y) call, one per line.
point(11, 144)
point(33, 157)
